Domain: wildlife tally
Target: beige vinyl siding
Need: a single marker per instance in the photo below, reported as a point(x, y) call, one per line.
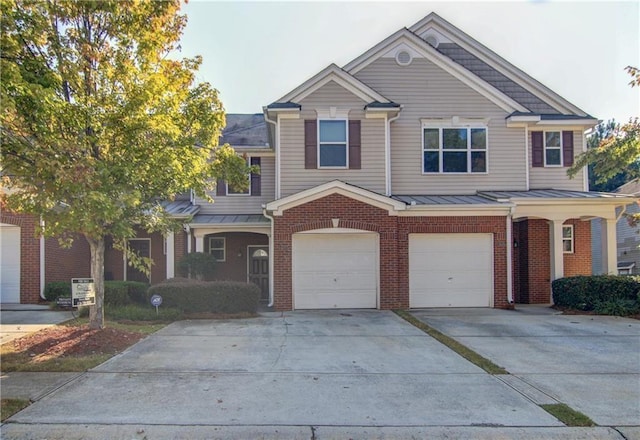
point(244, 204)
point(294, 176)
point(556, 177)
point(427, 91)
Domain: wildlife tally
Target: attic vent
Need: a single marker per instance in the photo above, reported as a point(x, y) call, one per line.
point(403, 58)
point(432, 40)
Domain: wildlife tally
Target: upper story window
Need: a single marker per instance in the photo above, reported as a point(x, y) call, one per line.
point(454, 149)
point(254, 189)
point(552, 148)
point(233, 191)
point(332, 143)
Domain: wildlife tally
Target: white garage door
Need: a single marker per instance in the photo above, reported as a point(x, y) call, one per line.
point(450, 270)
point(335, 270)
point(9, 263)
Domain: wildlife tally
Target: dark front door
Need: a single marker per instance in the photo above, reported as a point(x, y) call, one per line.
point(259, 269)
point(142, 247)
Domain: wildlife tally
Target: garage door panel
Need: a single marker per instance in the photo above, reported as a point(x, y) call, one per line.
point(450, 270)
point(9, 264)
point(335, 270)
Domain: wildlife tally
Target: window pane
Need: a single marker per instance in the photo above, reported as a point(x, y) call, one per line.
point(566, 246)
point(216, 243)
point(218, 254)
point(431, 162)
point(478, 139)
point(567, 233)
point(552, 138)
point(431, 139)
point(333, 131)
point(455, 138)
point(553, 156)
point(332, 155)
point(232, 190)
point(478, 162)
point(454, 162)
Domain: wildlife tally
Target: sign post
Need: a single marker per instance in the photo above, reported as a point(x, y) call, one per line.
point(83, 292)
point(156, 300)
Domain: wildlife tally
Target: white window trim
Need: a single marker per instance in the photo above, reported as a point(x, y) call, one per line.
point(571, 239)
point(468, 124)
point(224, 248)
point(239, 194)
point(544, 149)
point(346, 144)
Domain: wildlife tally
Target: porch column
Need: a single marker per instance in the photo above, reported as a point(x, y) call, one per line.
point(609, 251)
point(199, 241)
point(170, 255)
point(557, 254)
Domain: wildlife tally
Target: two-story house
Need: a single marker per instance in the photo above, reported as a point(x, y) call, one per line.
point(427, 172)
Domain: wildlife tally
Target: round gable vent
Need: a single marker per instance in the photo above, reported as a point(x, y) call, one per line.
point(432, 40)
point(403, 58)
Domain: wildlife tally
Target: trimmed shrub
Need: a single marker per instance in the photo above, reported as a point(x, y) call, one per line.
point(617, 307)
point(588, 292)
point(192, 296)
point(56, 289)
point(197, 265)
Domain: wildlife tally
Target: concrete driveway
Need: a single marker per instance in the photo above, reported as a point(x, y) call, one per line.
point(591, 363)
point(17, 320)
point(321, 374)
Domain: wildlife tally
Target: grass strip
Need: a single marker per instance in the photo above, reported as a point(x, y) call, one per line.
point(567, 415)
point(9, 407)
point(454, 345)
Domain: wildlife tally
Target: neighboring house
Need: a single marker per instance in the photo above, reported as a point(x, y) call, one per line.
point(427, 172)
point(627, 238)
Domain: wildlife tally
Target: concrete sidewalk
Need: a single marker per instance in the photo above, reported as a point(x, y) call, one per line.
point(591, 363)
point(320, 375)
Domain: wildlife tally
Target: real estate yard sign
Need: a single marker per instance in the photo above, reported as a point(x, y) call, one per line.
point(83, 292)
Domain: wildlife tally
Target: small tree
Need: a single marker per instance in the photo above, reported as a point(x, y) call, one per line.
point(99, 123)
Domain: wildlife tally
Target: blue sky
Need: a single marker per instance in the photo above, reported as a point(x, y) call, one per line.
point(256, 52)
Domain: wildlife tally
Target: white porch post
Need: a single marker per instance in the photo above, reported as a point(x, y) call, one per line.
point(170, 255)
point(609, 252)
point(199, 241)
point(557, 255)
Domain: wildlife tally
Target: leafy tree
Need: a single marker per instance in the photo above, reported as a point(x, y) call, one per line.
point(99, 123)
point(617, 153)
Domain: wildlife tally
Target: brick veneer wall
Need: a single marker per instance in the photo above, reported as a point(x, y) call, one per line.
point(29, 254)
point(538, 261)
point(394, 244)
point(235, 267)
point(180, 249)
point(579, 263)
point(114, 263)
point(62, 264)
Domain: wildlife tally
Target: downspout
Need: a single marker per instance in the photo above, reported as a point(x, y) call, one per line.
point(42, 260)
point(271, 239)
point(387, 153)
point(276, 148)
point(622, 211)
point(526, 156)
point(510, 255)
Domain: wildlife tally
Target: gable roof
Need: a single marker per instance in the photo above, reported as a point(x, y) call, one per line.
point(339, 76)
point(246, 130)
point(490, 66)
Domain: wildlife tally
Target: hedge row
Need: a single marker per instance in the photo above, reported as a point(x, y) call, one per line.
point(192, 296)
point(596, 292)
point(117, 293)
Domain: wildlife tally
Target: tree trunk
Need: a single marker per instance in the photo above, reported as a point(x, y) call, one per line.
point(96, 312)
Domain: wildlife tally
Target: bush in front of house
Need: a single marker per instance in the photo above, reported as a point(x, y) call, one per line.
point(604, 294)
point(117, 293)
point(198, 265)
point(194, 296)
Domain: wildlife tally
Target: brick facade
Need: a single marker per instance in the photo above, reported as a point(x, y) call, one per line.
point(394, 244)
point(29, 254)
point(62, 264)
point(234, 268)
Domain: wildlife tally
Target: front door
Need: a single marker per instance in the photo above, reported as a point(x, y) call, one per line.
point(142, 247)
point(259, 269)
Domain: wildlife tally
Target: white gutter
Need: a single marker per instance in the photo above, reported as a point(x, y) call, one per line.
point(510, 255)
point(387, 152)
point(276, 149)
point(271, 239)
point(42, 260)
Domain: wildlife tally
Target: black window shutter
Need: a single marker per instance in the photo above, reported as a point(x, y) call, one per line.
point(354, 145)
point(567, 148)
point(310, 144)
point(537, 149)
point(221, 188)
point(255, 178)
